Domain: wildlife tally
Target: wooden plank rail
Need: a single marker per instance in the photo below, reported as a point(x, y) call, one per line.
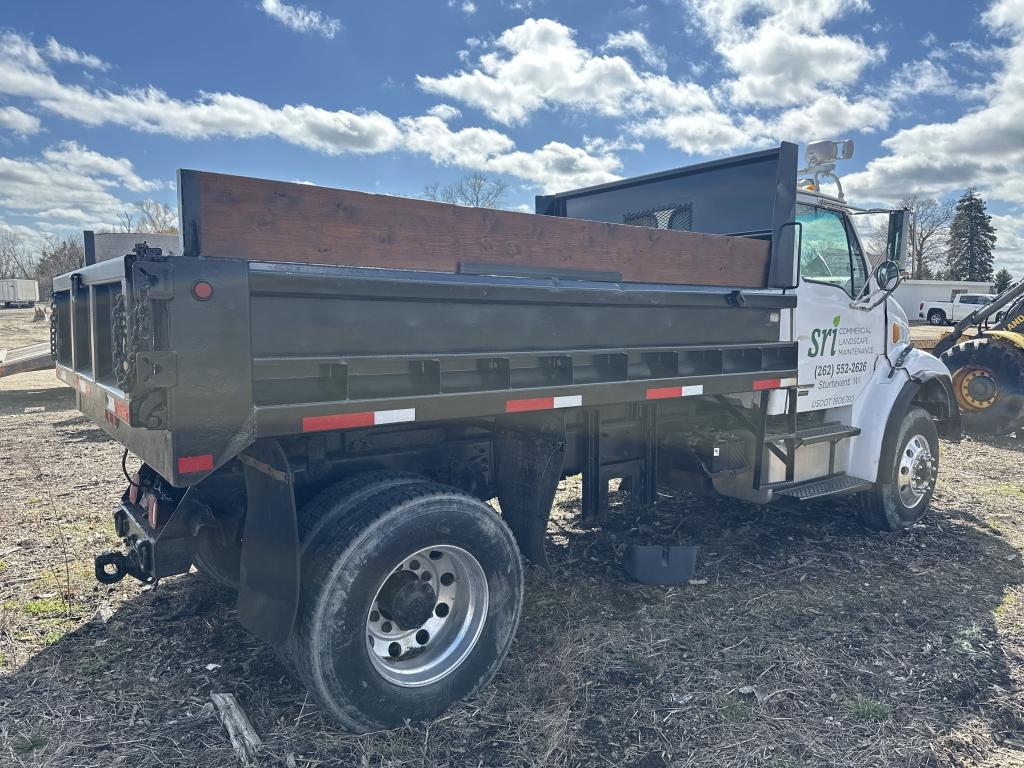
point(259, 220)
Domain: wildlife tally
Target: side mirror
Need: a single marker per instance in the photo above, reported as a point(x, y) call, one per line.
point(899, 236)
point(887, 275)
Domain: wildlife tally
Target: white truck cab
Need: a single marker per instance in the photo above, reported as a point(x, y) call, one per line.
point(857, 367)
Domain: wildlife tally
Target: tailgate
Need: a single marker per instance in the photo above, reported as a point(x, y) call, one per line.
point(119, 329)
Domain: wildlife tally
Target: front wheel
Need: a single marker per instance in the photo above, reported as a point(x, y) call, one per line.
point(906, 477)
point(937, 317)
point(408, 603)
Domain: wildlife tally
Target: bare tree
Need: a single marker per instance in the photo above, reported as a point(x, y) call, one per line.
point(56, 257)
point(124, 218)
point(157, 218)
point(926, 250)
point(474, 190)
point(15, 260)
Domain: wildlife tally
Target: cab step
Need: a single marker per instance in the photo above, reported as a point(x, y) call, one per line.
point(819, 433)
point(840, 484)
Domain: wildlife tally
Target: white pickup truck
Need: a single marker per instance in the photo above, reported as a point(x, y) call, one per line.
point(948, 312)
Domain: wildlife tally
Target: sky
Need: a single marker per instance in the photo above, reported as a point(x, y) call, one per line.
point(101, 102)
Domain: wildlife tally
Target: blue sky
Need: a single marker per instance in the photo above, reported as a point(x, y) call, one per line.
point(101, 102)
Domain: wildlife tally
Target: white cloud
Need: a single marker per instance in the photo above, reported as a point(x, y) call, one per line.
point(301, 19)
point(62, 53)
point(23, 73)
point(21, 123)
point(984, 146)
point(445, 112)
point(555, 166)
point(468, 7)
point(695, 133)
point(1009, 250)
point(110, 171)
point(538, 64)
point(831, 115)
point(779, 49)
point(919, 77)
point(652, 55)
point(69, 187)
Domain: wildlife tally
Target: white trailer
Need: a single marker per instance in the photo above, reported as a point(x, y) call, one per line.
point(18, 293)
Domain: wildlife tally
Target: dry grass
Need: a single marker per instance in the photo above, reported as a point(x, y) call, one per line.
point(813, 642)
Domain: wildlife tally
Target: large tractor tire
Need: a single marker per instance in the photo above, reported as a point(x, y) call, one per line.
point(988, 380)
point(906, 477)
point(410, 597)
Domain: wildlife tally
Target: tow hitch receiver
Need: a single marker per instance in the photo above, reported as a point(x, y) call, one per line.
point(111, 567)
point(153, 552)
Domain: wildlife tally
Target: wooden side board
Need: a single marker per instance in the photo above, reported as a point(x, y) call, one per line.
point(236, 217)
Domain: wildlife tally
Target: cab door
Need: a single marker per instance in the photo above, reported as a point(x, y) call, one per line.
point(839, 343)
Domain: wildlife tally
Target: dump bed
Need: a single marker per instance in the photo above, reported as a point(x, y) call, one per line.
point(187, 360)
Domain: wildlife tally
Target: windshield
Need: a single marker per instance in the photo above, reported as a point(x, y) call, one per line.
point(828, 253)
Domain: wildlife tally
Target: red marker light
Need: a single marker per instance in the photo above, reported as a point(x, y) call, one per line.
point(152, 511)
point(202, 290)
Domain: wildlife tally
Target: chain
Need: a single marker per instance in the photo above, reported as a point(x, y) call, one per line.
point(118, 337)
point(127, 341)
point(53, 328)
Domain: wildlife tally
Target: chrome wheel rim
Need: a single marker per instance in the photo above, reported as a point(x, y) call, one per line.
point(427, 616)
point(916, 474)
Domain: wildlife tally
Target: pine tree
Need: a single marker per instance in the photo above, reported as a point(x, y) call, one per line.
point(1002, 280)
point(971, 238)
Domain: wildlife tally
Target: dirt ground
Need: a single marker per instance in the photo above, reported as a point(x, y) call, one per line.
point(927, 336)
point(806, 641)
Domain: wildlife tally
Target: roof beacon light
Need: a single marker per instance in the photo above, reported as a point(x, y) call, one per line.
point(821, 157)
point(827, 152)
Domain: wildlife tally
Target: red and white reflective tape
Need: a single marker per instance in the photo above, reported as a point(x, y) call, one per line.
point(84, 386)
point(663, 393)
point(362, 419)
point(66, 377)
point(117, 407)
point(543, 403)
point(762, 384)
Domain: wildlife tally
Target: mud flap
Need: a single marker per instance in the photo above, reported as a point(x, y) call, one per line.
point(529, 452)
point(269, 579)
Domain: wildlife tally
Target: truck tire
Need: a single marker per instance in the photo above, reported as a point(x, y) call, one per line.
point(217, 562)
point(409, 601)
point(988, 380)
point(222, 564)
point(344, 497)
point(937, 317)
point(902, 498)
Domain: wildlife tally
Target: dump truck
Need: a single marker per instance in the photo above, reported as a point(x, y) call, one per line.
point(326, 388)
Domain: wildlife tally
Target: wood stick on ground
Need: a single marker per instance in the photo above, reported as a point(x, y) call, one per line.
point(243, 738)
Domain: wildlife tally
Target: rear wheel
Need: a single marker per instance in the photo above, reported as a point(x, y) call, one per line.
point(937, 317)
point(906, 479)
point(409, 601)
point(988, 380)
point(220, 563)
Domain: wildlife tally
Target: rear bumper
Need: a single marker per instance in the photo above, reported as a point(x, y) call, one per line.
point(151, 554)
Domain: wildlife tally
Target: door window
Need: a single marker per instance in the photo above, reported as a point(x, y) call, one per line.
point(828, 252)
